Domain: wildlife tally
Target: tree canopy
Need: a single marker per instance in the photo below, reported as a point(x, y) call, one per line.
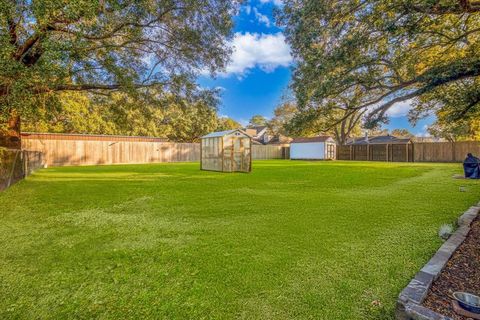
point(282, 116)
point(457, 110)
point(367, 55)
point(257, 120)
point(161, 115)
point(226, 123)
point(405, 133)
point(79, 45)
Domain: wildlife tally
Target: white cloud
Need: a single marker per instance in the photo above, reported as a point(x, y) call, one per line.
point(400, 109)
point(243, 122)
point(275, 2)
point(424, 132)
point(266, 51)
point(261, 17)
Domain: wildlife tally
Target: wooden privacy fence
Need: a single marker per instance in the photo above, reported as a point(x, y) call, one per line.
point(376, 152)
point(17, 164)
point(261, 152)
point(445, 151)
point(76, 150)
point(85, 152)
point(412, 152)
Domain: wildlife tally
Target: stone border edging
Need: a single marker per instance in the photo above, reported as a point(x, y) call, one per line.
point(410, 299)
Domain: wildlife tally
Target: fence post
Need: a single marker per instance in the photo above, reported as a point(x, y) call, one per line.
point(12, 171)
point(453, 152)
point(24, 163)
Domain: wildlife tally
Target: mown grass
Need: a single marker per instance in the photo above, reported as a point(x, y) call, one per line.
point(291, 240)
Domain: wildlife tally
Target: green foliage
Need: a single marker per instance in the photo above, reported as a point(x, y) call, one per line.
point(258, 120)
point(148, 114)
point(48, 46)
point(358, 54)
point(457, 110)
point(291, 240)
point(189, 124)
point(341, 124)
point(282, 116)
point(226, 123)
point(378, 132)
point(402, 133)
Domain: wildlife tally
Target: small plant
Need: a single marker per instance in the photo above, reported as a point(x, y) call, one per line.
point(445, 231)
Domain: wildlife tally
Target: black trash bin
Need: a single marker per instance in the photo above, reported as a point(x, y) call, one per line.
point(471, 166)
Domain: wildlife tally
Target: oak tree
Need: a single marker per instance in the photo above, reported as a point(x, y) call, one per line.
point(96, 45)
point(378, 53)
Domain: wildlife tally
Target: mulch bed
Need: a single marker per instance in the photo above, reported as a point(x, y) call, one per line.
point(462, 273)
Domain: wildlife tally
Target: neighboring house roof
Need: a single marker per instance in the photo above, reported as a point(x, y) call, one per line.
point(224, 133)
point(379, 140)
point(279, 139)
point(258, 129)
point(312, 139)
point(258, 133)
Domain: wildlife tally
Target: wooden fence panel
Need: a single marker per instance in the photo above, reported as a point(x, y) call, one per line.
point(360, 152)
point(69, 152)
point(445, 151)
point(17, 164)
point(401, 152)
point(344, 152)
point(90, 152)
point(261, 152)
point(462, 148)
point(416, 152)
point(376, 152)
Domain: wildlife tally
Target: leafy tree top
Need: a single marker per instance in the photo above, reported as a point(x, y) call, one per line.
point(258, 120)
point(48, 46)
point(371, 54)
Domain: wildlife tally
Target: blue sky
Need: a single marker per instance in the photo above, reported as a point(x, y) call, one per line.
point(260, 70)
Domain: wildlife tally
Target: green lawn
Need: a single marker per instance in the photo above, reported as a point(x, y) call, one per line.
point(291, 240)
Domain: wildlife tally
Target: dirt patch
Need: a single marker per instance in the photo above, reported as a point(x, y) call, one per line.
point(462, 273)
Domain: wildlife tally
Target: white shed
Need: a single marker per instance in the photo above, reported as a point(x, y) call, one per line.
point(314, 148)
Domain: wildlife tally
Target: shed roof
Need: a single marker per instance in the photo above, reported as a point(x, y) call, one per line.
point(312, 139)
point(223, 133)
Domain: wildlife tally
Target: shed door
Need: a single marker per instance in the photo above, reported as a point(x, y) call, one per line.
point(331, 151)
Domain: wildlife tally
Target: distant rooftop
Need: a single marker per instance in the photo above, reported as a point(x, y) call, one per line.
point(378, 140)
point(257, 129)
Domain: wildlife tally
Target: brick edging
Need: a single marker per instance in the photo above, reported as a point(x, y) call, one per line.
point(409, 303)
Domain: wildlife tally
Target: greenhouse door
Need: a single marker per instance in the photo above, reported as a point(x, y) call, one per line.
point(241, 154)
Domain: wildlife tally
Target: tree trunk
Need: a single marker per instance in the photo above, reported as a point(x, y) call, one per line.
point(11, 138)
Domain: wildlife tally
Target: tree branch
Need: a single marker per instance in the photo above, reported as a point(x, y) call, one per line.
point(12, 31)
point(83, 87)
point(463, 6)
